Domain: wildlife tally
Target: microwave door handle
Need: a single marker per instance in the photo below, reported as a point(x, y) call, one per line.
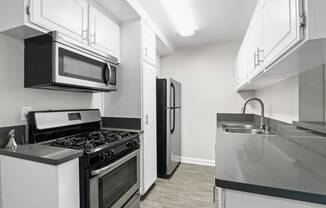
point(107, 73)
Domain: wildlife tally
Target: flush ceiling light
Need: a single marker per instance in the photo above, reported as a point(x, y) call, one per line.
point(181, 15)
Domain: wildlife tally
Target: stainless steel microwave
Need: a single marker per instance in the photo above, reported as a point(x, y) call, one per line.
point(51, 63)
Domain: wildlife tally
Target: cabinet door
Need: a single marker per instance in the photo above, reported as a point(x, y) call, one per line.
point(255, 45)
point(242, 63)
point(68, 17)
point(281, 29)
point(104, 32)
point(237, 70)
point(149, 44)
point(149, 124)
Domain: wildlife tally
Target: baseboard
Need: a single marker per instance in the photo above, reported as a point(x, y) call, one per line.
point(196, 161)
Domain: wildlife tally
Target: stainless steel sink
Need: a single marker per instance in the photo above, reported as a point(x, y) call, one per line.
point(245, 129)
point(239, 126)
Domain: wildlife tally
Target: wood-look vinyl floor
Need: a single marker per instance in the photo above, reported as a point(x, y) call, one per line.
point(190, 187)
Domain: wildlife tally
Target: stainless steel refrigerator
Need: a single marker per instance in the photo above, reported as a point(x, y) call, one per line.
point(168, 126)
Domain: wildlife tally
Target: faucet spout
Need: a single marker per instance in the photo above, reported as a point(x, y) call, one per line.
point(262, 125)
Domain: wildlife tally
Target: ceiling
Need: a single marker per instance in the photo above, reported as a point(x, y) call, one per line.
point(216, 20)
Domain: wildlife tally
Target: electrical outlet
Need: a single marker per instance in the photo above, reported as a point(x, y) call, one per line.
point(25, 111)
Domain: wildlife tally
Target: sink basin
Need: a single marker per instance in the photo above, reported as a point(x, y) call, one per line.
point(245, 129)
point(239, 126)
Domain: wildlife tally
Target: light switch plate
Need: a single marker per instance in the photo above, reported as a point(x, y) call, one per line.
point(25, 111)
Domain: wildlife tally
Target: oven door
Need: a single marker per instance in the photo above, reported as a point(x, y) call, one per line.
point(79, 68)
point(116, 184)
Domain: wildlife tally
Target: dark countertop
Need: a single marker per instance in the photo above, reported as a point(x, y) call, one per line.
point(290, 165)
point(43, 153)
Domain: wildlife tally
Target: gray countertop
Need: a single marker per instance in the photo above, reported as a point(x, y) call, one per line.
point(291, 164)
point(315, 126)
point(43, 153)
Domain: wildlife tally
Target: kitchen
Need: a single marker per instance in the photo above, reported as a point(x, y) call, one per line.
point(139, 103)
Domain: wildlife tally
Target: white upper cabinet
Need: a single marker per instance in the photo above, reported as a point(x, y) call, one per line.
point(241, 66)
point(255, 52)
point(104, 33)
point(277, 28)
point(77, 21)
point(280, 22)
point(249, 60)
point(68, 17)
point(149, 44)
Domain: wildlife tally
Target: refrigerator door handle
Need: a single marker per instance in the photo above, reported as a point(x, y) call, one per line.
point(172, 108)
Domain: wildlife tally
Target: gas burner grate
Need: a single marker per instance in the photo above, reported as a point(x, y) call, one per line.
point(92, 140)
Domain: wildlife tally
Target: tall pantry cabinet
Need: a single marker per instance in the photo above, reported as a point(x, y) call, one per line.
point(149, 173)
point(136, 95)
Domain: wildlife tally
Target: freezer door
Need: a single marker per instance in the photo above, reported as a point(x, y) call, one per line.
point(173, 93)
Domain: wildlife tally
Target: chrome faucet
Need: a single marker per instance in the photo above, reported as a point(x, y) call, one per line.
point(262, 125)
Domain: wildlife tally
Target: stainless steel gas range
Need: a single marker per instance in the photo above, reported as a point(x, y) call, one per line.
point(109, 169)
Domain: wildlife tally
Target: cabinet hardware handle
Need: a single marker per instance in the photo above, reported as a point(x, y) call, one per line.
point(146, 119)
point(259, 51)
point(214, 194)
point(85, 34)
point(255, 60)
point(93, 42)
point(28, 10)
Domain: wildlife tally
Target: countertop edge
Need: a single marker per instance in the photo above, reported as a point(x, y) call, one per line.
point(47, 161)
point(271, 191)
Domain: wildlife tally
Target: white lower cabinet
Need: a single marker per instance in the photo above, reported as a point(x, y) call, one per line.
point(237, 199)
point(43, 185)
point(149, 126)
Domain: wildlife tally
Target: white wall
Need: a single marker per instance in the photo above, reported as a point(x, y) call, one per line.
point(207, 77)
point(312, 95)
point(13, 95)
point(281, 100)
point(126, 102)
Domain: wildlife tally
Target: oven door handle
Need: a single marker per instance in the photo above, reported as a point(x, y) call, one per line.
point(106, 169)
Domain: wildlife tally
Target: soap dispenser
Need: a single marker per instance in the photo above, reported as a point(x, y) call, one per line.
point(11, 143)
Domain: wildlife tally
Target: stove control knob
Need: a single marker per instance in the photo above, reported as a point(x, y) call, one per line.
point(107, 155)
point(134, 143)
point(111, 152)
point(129, 144)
